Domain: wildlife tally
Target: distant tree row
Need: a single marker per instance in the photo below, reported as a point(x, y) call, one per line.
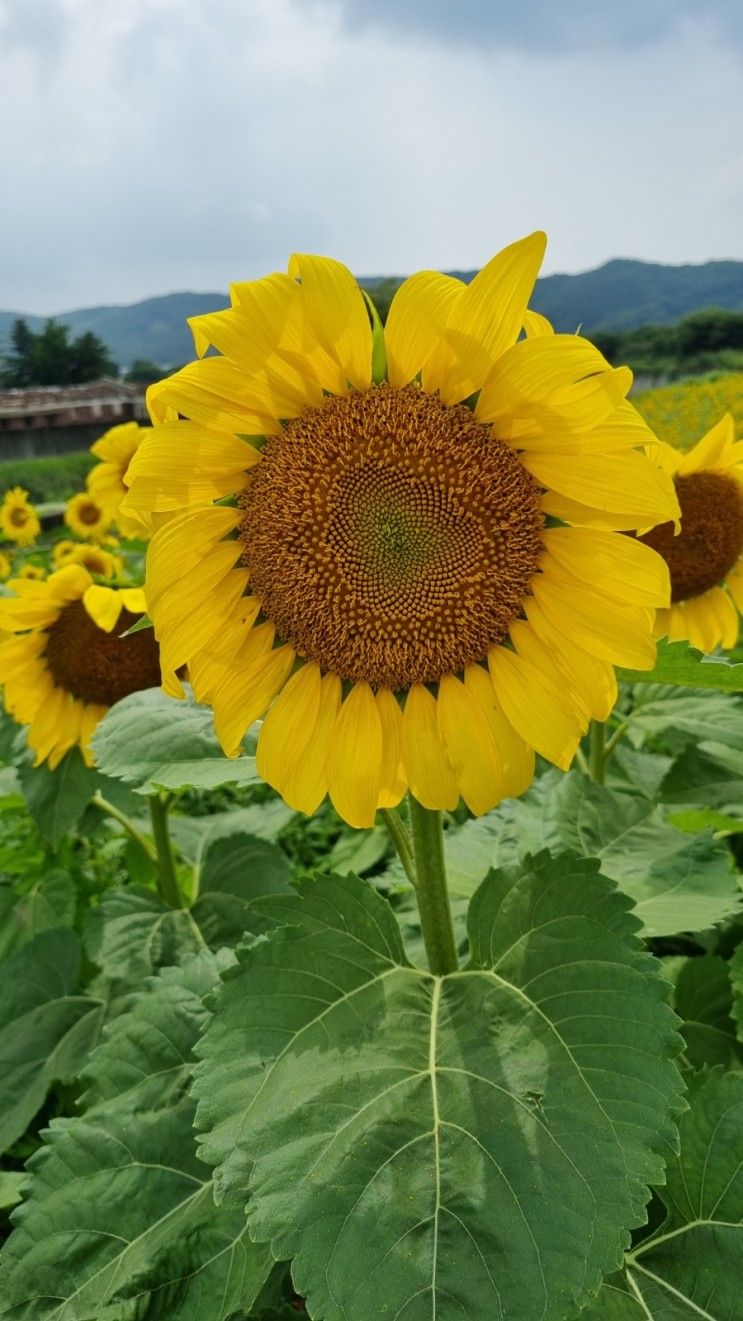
point(699, 342)
point(50, 357)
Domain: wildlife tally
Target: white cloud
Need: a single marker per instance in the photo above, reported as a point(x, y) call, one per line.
point(154, 145)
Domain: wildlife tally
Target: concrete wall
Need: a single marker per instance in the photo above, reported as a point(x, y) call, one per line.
point(42, 442)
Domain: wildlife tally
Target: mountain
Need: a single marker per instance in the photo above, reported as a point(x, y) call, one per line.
point(619, 295)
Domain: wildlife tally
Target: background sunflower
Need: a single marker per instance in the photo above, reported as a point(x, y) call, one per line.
point(19, 521)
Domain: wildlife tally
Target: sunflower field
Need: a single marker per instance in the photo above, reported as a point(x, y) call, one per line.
point(371, 783)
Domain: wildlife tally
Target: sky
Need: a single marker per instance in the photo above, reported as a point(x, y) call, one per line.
point(148, 146)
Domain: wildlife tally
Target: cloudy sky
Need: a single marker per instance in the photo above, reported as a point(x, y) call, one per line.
point(154, 145)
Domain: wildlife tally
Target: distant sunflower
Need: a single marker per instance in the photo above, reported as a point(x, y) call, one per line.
point(705, 559)
point(87, 517)
point(19, 521)
point(106, 481)
point(62, 550)
point(67, 663)
point(380, 570)
point(6, 566)
point(35, 572)
point(99, 562)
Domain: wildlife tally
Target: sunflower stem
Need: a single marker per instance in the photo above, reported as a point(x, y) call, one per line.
point(103, 805)
point(399, 834)
point(167, 874)
point(596, 753)
point(433, 897)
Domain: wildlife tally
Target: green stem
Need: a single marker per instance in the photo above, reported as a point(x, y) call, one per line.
point(103, 805)
point(580, 760)
point(611, 743)
point(433, 899)
point(400, 837)
point(596, 754)
point(166, 868)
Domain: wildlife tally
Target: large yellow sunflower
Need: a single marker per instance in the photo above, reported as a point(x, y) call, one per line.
point(116, 448)
point(380, 563)
point(87, 517)
point(706, 558)
point(67, 663)
point(19, 521)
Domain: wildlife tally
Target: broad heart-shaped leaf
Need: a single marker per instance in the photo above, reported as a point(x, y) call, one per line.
point(58, 798)
point(235, 869)
point(153, 742)
point(680, 663)
point(678, 882)
point(120, 1221)
point(465, 1146)
point(709, 775)
point(675, 718)
point(703, 999)
point(689, 1269)
point(132, 933)
point(47, 1026)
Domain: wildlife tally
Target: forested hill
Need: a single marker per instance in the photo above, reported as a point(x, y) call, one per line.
point(617, 296)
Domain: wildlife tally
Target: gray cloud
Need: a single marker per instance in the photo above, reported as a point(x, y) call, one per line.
point(548, 26)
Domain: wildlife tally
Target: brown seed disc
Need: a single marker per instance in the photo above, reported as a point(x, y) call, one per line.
point(711, 536)
point(390, 538)
point(96, 666)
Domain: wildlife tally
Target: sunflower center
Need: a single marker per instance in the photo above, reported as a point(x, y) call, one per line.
point(96, 666)
point(711, 536)
point(19, 516)
point(389, 537)
point(88, 513)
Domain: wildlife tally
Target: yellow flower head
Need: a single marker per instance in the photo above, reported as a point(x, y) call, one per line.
point(99, 562)
point(67, 663)
point(86, 517)
point(6, 565)
point(106, 481)
point(19, 521)
point(385, 580)
point(705, 559)
point(33, 571)
point(62, 550)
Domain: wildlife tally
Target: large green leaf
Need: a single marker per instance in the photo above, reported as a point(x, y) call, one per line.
point(132, 933)
point(153, 742)
point(680, 663)
point(703, 999)
point(47, 1026)
point(58, 798)
point(709, 774)
point(675, 718)
point(463, 1146)
point(234, 870)
point(689, 1269)
point(120, 1220)
point(33, 904)
point(678, 882)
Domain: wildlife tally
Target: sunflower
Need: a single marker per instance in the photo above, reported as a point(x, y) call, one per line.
point(378, 565)
point(19, 521)
point(105, 482)
point(35, 572)
point(86, 517)
point(99, 562)
point(6, 565)
point(62, 550)
point(705, 559)
point(67, 663)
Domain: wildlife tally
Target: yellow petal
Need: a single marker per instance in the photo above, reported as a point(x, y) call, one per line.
point(734, 582)
point(133, 600)
point(536, 707)
point(308, 782)
point(337, 313)
point(728, 619)
point(516, 755)
point(104, 607)
point(469, 746)
point(613, 482)
point(220, 395)
point(394, 782)
point(245, 695)
point(276, 312)
point(609, 562)
point(211, 666)
point(535, 324)
point(485, 320)
point(553, 381)
point(417, 316)
point(288, 726)
point(711, 450)
point(593, 681)
point(620, 634)
point(581, 515)
point(355, 760)
point(181, 464)
point(177, 548)
point(183, 636)
point(430, 776)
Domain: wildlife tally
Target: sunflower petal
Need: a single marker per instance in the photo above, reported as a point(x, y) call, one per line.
point(394, 782)
point(307, 783)
point(516, 755)
point(417, 316)
point(469, 746)
point(355, 760)
point(288, 725)
point(337, 312)
point(620, 566)
point(535, 705)
point(245, 695)
point(430, 775)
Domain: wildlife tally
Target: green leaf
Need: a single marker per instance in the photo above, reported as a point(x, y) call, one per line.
point(709, 774)
point(47, 1026)
point(680, 663)
point(674, 719)
point(426, 1146)
point(735, 968)
point(119, 1221)
point(132, 933)
point(11, 1183)
point(678, 882)
point(236, 869)
point(689, 1269)
point(28, 909)
point(154, 742)
point(192, 834)
point(58, 798)
point(703, 999)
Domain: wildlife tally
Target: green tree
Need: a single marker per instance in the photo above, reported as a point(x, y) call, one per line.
point(143, 372)
point(18, 366)
point(89, 359)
